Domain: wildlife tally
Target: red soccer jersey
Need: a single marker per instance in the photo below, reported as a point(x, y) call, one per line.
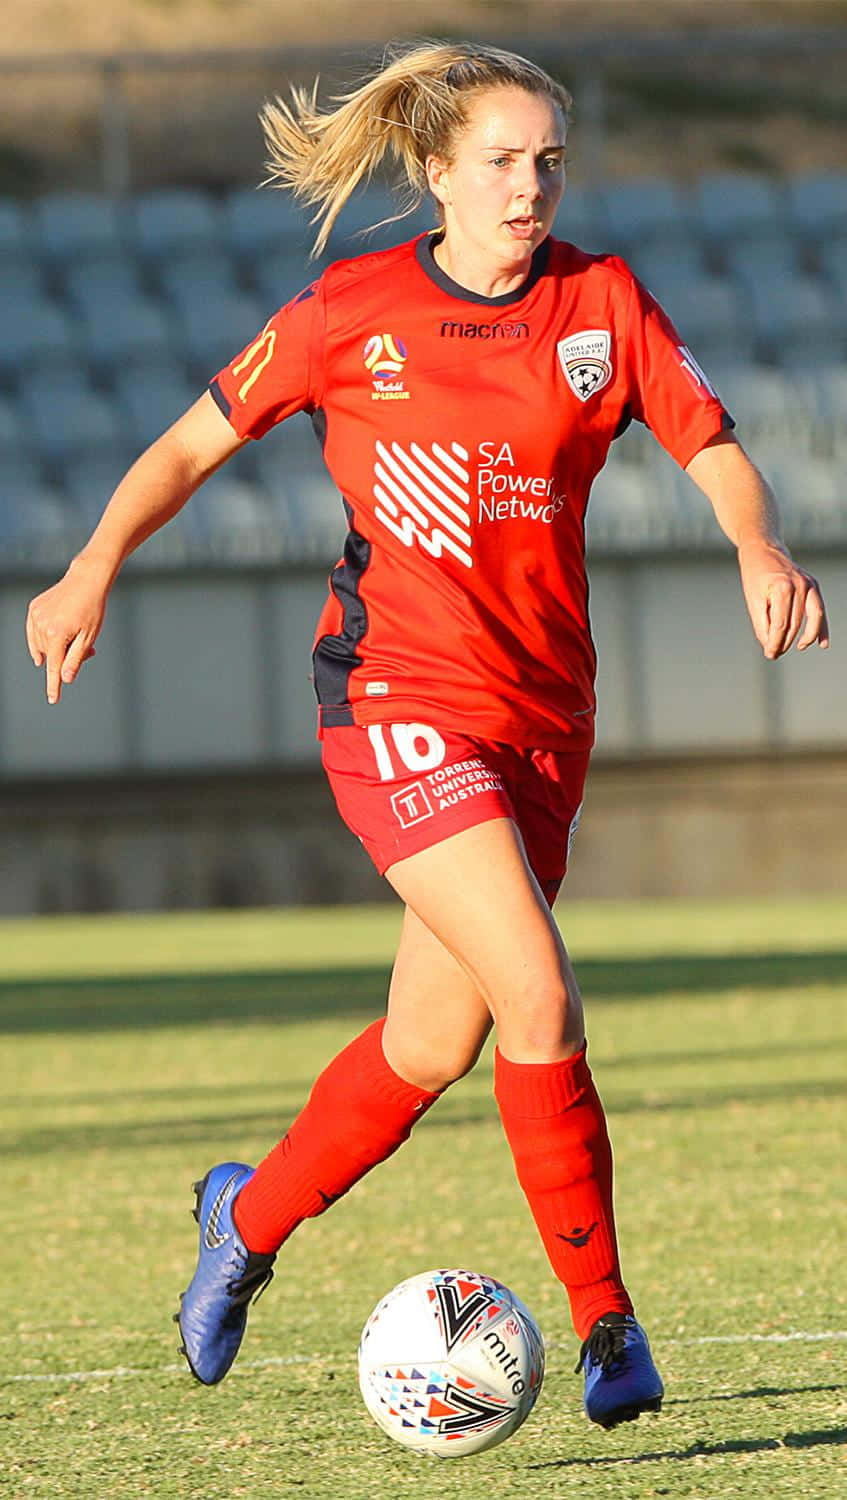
point(464, 433)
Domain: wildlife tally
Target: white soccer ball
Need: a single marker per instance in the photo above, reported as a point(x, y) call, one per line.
point(450, 1363)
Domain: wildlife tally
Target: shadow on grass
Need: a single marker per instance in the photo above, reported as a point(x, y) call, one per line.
point(758, 1393)
point(829, 1437)
point(191, 1128)
point(161, 1000)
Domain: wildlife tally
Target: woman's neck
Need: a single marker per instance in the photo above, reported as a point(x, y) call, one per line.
point(478, 274)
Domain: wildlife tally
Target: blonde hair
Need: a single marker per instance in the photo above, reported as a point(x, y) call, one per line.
point(414, 107)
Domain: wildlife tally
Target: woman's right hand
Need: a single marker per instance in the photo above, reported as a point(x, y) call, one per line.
point(63, 623)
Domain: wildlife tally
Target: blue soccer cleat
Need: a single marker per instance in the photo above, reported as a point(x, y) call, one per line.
point(213, 1312)
point(621, 1380)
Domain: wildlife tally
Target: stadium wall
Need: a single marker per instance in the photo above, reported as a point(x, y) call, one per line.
point(182, 770)
point(714, 827)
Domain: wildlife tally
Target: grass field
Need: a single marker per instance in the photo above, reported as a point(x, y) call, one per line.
point(138, 1051)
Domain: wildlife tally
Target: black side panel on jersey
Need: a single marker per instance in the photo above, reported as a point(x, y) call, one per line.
point(335, 656)
point(218, 396)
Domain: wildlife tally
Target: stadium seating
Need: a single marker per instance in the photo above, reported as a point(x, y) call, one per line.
point(171, 221)
point(67, 417)
point(70, 227)
point(729, 205)
point(712, 316)
point(817, 203)
point(35, 331)
point(257, 223)
point(649, 211)
point(152, 398)
point(665, 263)
point(115, 316)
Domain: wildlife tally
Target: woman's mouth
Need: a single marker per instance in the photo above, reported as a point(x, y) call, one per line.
point(523, 228)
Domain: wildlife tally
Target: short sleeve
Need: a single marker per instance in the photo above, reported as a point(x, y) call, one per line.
point(669, 391)
point(278, 373)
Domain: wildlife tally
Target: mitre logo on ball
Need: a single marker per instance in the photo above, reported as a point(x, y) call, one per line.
point(450, 1363)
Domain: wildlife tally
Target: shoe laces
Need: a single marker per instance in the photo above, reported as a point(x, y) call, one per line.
point(256, 1276)
point(605, 1346)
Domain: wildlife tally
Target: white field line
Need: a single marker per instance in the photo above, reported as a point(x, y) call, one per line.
point(130, 1372)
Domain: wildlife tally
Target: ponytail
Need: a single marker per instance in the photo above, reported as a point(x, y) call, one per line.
point(412, 108)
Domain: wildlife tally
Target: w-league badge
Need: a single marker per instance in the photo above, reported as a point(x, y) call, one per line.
point(586, 361)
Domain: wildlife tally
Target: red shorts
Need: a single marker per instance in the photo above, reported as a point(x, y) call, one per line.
point(404, 787)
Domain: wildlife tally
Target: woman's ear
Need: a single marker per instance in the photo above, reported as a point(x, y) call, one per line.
point(437, 178)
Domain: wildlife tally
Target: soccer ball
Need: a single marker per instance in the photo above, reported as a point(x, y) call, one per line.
point(450, 1363)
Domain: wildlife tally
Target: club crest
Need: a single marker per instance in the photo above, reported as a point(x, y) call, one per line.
point(586, 361)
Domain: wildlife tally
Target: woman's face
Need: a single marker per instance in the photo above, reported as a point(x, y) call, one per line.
point(502, 186)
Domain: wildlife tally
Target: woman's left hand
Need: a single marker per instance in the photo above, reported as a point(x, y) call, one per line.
point(780, 597)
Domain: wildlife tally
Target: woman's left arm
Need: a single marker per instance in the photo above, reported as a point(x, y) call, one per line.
point(778, 594)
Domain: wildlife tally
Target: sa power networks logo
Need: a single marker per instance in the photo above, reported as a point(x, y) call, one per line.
point(384, 356)
point(586, 361)
point(423, 497)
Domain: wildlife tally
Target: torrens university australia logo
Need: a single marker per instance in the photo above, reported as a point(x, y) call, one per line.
point(385, 355)
point(586, 361)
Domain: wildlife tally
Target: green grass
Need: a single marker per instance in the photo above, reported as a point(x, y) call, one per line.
point(139, 1050)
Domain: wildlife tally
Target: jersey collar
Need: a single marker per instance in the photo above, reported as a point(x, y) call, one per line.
point(426, 260)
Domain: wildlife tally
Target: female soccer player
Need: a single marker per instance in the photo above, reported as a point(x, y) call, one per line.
point(466, 388)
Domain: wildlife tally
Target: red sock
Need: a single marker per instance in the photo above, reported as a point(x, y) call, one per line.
point(555, 1125)
point(358, 1113)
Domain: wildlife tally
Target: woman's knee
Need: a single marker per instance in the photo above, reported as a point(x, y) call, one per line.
point(430, 1061)
point(541, 1021)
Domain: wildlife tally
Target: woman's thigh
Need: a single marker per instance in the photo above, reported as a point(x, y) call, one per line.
point(437, 1019)
point(476, 894)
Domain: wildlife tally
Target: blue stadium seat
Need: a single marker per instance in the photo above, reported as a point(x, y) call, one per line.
point(305, 502)
point(35, 330)
point(89, 480)
point(649, 210)
point(820, 391)
point(623, 510)
point(581, 220)
point(811, 498)
point(172, 221)
point(260, 221)
point(711, 317)
point(793, 312)
point(74, 226)
point(66, 416)
point(17, 236)
point(20, 471)
point(766, 253)
point(102, 278)
point(368, 222)
point(762, 399)
point(152, 399)
point(37, 526)
point(233, 520)
point(210, 274)
point(667, 265)
point(210, 338)
point(119, 330)
point(833, 262)
point(817, 203)
point(11, 434)
point(279, 277)
point(730, 204)
point(21, 278)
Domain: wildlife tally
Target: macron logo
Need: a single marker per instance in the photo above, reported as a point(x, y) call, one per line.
point(423, 497)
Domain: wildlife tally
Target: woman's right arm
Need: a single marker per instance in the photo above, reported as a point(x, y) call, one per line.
point(63, 623)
